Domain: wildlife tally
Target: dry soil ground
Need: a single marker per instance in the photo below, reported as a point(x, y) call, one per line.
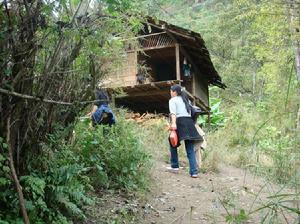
point(178, 198)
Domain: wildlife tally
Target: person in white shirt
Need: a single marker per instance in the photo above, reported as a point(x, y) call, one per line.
point(182, 122)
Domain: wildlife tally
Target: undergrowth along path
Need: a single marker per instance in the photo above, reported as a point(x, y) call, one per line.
point(226, 196)
point(212, 198)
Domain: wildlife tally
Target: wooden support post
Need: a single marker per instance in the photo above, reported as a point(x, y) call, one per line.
point(194, 84)
point(209, 120)
point(177, 61)
point(184, 52)
point(113, 100)
point(190, 59)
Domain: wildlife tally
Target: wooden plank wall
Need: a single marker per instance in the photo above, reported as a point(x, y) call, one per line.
point(201, 89)
point(125, 73)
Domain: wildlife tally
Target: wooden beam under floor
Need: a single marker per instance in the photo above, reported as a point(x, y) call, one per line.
point(147, 93)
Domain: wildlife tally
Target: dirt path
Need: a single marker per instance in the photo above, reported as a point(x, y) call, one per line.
point(178, 198)
point(213, 198)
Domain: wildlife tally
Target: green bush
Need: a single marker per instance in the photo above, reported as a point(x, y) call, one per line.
point(59, 180)
point(284, 154)
point(217, 118)
point(263, 141)
point(56, 188)
point(115, 155)
point(9, 204)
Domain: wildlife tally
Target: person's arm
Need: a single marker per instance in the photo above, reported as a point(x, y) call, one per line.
point(172, 108)
point(173, 122)
point(94, 108)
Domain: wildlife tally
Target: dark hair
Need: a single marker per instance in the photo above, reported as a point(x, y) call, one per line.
point(180, 92)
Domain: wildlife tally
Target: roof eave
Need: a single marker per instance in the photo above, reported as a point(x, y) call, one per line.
point(213, 78)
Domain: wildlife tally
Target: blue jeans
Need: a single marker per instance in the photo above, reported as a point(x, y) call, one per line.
point(190, 153)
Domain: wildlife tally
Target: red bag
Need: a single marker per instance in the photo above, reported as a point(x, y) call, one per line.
point(173, 138)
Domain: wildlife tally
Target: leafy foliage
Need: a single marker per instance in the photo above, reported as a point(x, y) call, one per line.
point(251, 45)
point(217, 118)
point(61, 178)
point(56, 50)
point(237, 219)
point(8, 196)
point(58, 54)
point(61, 52)
point(115, 155)
point(55, 188)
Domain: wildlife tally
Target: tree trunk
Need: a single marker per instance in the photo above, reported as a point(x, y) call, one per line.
point(253, 82)
point(298, 117)
point(294, 15)
point(13, 173)
point(295, 28)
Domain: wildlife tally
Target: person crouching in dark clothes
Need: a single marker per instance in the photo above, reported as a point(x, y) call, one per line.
point(182, 122)
point(101, 113)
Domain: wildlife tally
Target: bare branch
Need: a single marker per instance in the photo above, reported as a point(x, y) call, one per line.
point(28, 97)
point(14, 175)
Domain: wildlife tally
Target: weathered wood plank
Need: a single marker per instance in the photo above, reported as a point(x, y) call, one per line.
point(177, 61)
point(144, 36)
point(152, 48)
point(148, 93)
point(172, 31)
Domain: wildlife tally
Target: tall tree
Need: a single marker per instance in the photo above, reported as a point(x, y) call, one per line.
point(45, 67)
